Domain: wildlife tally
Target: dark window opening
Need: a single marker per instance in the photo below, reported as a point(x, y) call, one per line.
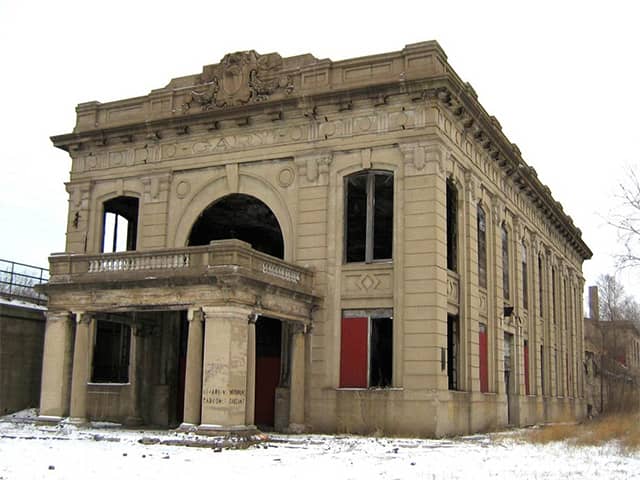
point(366, 349)
point(525, 279)
point(120, 224)
point(452, 226)
point(542, 370)
point(540, 287)
point(111, 352)
point(369, 217)
point(527, 390)
point(453, 351)
point(505, 263)
point(484, 360)
point(482, 248)
point(553, 293)
point(241, 217)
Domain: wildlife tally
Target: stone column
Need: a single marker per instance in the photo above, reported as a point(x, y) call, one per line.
point(193, 376)
point(251, 371)
point(136, 375)
point(296, 401)
point(81, 368)
point(56, 367)
point(224, 379)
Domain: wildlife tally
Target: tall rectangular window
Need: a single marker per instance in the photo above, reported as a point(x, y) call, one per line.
point(482, 247)
point(366, 348)
point(553, 293)
point(525, 278)
point(369, 216)
point(505, 263)
point(119, 224)
point(527, 389)
point(453, 351)
point(452, 226)
point(540, 287)
point(111, 352)
point(484, 360)
point(542, 369)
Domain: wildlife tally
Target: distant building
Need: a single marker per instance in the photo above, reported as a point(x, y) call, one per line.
point(22, 324)
point(612, 363)
point(303, 244)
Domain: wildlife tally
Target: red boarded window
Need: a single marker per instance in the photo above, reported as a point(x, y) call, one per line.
point(366, 349)
point(484, 361)
point(526, 367)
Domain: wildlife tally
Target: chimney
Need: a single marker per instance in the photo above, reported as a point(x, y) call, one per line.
point(594, 304)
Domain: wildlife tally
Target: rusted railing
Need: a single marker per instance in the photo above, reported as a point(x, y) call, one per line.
point(17, 280)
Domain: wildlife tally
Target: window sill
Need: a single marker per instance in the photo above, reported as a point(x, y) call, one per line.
point(108, 384)
point(373, 264)
point(369, 389)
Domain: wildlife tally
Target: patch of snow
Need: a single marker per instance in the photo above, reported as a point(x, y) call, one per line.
point(22, 303)
point(76, 452)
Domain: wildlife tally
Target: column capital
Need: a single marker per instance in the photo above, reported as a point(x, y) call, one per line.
point(195, 315)
point(83, 318)
point(58, 316)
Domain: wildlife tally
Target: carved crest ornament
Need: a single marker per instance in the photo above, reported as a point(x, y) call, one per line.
point(240, 78)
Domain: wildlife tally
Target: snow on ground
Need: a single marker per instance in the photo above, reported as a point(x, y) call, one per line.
point(30, 451)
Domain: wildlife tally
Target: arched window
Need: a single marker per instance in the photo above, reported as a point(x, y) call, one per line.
point(369, 216)
point(119, 224)
point(505, 263)
point(452, 226)
point(482, 247)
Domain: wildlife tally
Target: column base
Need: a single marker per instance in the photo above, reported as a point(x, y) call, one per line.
point(233, 430)
point(133, 421)
point(76, 421)
point(297, 428)
point(49, 419)
point(187, 427)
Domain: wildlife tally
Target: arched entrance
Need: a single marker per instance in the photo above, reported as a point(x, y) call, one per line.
point(242, 217)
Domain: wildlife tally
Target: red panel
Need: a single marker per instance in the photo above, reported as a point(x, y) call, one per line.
point(267, 378)
point(353, 352)
point(526, 369)
point(484, 367)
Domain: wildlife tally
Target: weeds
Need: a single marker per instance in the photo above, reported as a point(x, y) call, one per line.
point(623, 428)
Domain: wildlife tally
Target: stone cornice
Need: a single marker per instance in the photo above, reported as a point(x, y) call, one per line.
point(261, 89)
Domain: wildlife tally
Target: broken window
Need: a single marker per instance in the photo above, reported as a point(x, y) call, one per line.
point(120, 224)
point(453, 351)
point(482, 247)
point(366, 348)
point(484, 358)
point(505, 263)
point(369, 216)
point(111, 352)
point(452, 226)
point(525, 278)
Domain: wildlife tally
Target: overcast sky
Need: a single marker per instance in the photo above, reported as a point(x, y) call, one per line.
point(562, 77)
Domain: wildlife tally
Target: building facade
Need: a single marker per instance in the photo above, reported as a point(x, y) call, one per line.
point(303, 244)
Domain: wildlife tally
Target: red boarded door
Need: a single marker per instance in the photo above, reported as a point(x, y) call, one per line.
point(484, 367)
point(268, 351)
point(354, 352)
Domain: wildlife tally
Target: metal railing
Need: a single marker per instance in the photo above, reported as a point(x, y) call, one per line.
point(17, 280)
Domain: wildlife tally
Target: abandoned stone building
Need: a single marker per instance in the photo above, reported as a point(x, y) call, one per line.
point(302, 244)
point(612, 362)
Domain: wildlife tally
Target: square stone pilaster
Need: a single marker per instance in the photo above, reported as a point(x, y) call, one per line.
point(224, 377)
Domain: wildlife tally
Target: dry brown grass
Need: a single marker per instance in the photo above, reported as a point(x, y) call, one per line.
point(624, 428)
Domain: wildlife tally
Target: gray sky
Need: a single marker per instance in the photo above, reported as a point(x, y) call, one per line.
point(562, 77)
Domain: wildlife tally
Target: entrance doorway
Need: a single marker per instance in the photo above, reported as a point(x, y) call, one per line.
point(268, 367)
point(508, 380)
